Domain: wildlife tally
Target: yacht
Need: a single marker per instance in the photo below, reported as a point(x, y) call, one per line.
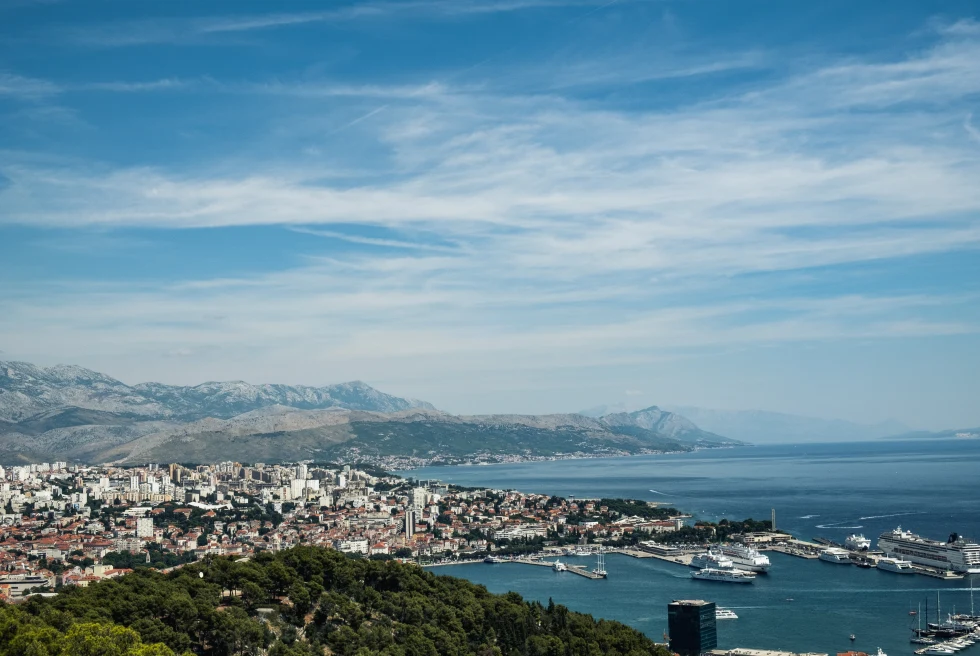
point(723, 575)
point(746, 558)
point(492, 560)
point(725, 614)
point(896, 565)
point(836, 556)
point(857, 543)
point(712, 559)
point(957, 553)
point(559, 566)
point(937, 650)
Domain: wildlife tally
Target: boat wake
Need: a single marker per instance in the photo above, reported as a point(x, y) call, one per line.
point(837, 525)
point(901, 514)
point(808, 516)
point(660, 493)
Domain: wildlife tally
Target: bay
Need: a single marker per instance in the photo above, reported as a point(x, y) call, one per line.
point(828, 490)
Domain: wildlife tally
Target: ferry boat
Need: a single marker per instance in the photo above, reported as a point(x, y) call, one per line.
point(896, 565)
point(857, 542)
point(746, 558)
point(836, 556)
point(957, 553)
point(492, 560)
point(559, 566)
point(723, 575)
point(712, 559)
point(725, 614)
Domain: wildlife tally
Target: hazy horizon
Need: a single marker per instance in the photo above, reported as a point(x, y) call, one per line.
point(529, 206)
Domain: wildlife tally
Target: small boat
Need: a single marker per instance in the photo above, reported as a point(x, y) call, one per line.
point(896, 565)
point(853, 637)
point(937, 650)
point(836, 556)
point(725, 614)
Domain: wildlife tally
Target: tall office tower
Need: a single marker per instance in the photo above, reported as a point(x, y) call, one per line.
point(410, 519)
point(691, 626)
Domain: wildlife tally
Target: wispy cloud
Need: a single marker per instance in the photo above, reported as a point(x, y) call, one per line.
point(165, 30)
point(25, 87)
point(525, 223)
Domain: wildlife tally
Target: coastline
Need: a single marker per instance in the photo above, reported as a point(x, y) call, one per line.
point(520, 460)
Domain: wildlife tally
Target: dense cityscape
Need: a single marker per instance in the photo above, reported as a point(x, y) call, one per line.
point(66, 525)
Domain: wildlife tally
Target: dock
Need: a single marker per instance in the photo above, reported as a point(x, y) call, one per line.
point(797, 551)
point(574, 569)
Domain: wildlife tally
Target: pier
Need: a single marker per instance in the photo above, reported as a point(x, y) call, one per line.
point(581, 570)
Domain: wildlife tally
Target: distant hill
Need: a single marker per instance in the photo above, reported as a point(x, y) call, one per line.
point(760, 427)
point(71, 413)
point(954, 433)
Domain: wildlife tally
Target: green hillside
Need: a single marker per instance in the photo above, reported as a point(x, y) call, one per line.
point(301, 602)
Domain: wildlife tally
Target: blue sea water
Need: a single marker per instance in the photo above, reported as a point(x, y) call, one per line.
point(828, 490)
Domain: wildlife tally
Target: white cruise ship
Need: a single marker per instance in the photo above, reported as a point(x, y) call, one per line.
point(857, 543)
point(746, 558)
point(896, 565)
point(725, 614)
point(723, 575)
point(956, 554)
point(713, 560)
point(836, 556)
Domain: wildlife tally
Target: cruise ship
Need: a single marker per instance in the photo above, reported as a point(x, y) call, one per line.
point(857, 543)
point(836, 556)
point(713, 560)
point(723, 575)
point(746, 558)
point(956, 554)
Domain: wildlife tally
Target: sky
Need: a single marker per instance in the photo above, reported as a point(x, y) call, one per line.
point(519, 206)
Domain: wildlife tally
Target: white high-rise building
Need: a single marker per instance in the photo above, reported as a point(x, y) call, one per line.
point(144, 528)
point(419, 495)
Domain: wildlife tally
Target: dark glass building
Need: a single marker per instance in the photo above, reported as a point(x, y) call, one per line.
point(691, 627)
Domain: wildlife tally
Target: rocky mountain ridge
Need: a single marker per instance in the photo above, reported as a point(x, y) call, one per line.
point(86, 416)
point(27, 390)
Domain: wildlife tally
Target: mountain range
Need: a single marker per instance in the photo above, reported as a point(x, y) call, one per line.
point(763, 427)
point(72, 413)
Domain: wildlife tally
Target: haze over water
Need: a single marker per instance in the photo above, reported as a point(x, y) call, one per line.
point(829, 490)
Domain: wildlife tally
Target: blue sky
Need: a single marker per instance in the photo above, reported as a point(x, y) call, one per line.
point(513, 206)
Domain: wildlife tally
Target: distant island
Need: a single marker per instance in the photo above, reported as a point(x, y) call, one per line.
point(78, 415)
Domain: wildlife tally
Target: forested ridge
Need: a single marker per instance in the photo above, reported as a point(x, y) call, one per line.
point(300, 602)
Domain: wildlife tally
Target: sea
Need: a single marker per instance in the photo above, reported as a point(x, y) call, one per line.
point(831, 490)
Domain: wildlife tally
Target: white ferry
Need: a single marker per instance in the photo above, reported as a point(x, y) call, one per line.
point(723, 575)
point(857, 542)
point(725, 614)
point(559, 566)
point(746, 558)
point(896, 565)
point(836, 556)
point(712, 559)
point(956, 554)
